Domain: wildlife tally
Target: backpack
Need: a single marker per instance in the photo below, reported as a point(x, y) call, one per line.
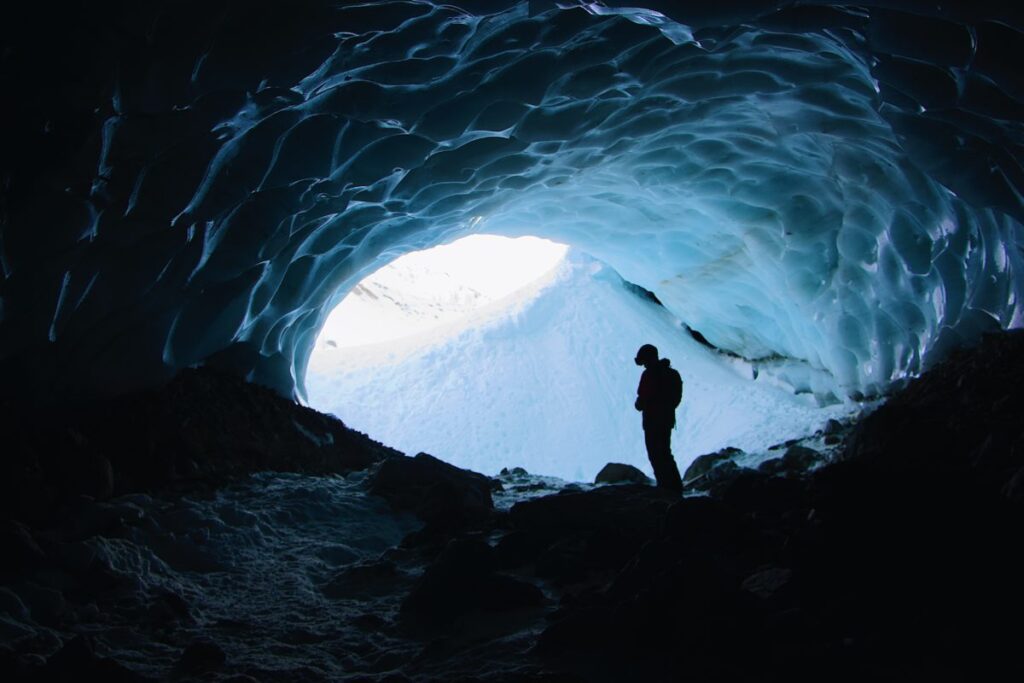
point(673, 387)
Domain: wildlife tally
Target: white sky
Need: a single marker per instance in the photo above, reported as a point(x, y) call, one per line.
point(437, 286)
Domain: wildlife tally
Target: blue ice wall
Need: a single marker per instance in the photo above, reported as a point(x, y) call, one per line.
point(839, 186)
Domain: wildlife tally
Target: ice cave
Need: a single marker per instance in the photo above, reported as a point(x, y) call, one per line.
point(812, 207)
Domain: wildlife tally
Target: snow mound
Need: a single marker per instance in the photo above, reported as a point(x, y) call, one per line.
point(544, 379)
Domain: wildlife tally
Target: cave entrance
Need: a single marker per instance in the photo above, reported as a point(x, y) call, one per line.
point(434, 293)
point(491, 352)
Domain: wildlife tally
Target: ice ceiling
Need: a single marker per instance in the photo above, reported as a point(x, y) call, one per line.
point(193, 183)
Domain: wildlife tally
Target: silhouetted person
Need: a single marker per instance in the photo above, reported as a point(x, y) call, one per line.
point(660, 390)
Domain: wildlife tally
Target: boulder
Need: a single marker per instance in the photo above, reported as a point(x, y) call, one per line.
point(572, 535)
point(634, 509)
point(201, 655)
point(704, 464)
point(754, 491)
point(768, 582)
point(833, 426)
point(801, 458)
point(617, 473)
point(1014, 488)
point(21, 552)
point(463, 579)
point(704, 522)
point(370, 578)
point(77, 660)
point(439, 493)
point(797, 461)
point(200, 427)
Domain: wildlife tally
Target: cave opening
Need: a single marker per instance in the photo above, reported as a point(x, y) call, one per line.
point(493, 352)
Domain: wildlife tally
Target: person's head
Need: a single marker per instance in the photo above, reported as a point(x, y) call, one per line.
point(647, 355)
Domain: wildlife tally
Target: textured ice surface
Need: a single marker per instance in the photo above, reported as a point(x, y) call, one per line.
point(544, 379)
point(837, 186)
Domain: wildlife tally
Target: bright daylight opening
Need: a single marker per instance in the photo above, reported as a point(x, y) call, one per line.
point(430, 288)
point(492, 352)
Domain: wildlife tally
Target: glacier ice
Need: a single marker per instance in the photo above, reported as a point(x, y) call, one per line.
point(540, 378)
point(835, 188)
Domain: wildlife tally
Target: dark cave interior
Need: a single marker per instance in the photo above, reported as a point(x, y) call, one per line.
point(189, 187)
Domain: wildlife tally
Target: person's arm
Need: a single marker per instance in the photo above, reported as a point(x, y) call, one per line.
point(642, 391)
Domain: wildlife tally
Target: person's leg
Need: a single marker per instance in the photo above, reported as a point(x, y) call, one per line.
point(659, 451)
point(674, 481)
point(652, 440)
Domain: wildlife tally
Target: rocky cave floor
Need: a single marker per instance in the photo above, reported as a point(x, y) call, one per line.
point(891, 553)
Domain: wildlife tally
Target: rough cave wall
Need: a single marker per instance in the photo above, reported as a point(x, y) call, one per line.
point(200, 182)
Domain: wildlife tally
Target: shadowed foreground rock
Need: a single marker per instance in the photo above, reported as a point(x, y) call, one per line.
point(441, 494)
point(617, 472)
point(898, 561)
point(462, 579)
point(200, 428)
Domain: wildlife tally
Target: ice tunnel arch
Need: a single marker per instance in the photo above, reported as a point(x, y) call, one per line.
point(798, 182)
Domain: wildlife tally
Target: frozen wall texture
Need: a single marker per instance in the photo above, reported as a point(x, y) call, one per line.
point(200, 182)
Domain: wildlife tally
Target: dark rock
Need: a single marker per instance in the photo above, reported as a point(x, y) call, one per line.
point(77, 660)
point(768, 582)
point(706, 523)
point(615, 473)
point(1014, 489)
point(585, 630)
point(797, 461)
point(514, 472)
point(704, 464)
point(644, 568)
point(573, 536)
point(461, 580)
point(15, 667)
point(564, 561)
point(753, 491)
point(364, 580)
point(202, 426)
point(800, 458)
point(46, 605)
point(717, 479)
point(949, 413)
point(633, 509)
point(712, 527)
point(439, 493)
point(833, 426)
point(12, 605)
point(169, 606)
point(94, 476)
point(201, 655)
point(22, 555)
point(517, 548)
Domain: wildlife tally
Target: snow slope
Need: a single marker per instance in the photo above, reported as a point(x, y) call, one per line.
point(544, 379)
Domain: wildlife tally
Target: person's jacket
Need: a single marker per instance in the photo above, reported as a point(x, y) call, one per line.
point(651, 400)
